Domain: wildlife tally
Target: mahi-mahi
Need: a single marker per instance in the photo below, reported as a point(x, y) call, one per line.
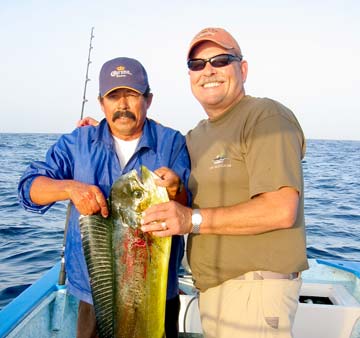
point(127, 267)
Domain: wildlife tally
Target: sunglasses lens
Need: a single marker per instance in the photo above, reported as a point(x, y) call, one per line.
point(220, 61)
point(196, 64)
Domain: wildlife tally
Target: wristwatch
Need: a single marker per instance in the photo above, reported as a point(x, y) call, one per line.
point(196, 220)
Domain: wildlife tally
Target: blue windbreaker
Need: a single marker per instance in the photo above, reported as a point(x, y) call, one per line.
point(88, 155)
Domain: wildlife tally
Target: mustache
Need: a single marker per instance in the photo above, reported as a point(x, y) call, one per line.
point(123, 113)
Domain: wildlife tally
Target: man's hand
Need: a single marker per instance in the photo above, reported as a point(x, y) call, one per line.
point(169, 179)
point(87, 199)
point(87, 121)
point(167, 219)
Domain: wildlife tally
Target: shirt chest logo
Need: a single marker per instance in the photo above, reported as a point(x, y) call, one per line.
point(221, 160)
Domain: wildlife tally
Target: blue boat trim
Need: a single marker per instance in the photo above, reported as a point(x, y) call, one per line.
point(349, 266)
point(29, 298)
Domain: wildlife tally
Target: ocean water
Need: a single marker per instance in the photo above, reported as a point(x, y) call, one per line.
point(30, 243)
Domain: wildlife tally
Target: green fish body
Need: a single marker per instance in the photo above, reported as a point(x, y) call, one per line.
point(127, 268)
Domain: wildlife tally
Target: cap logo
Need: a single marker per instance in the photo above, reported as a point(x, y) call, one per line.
point(120, 71)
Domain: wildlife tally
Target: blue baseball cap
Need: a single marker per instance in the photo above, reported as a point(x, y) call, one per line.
point(122, 72)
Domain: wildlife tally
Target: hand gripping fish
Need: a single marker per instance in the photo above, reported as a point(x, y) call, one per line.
point(127, 268)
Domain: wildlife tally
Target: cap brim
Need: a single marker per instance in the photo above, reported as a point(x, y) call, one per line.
point(122, 87)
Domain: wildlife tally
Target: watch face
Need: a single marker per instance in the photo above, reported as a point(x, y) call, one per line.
point(196, 218)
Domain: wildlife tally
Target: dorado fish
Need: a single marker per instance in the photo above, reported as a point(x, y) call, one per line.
point(127, 267)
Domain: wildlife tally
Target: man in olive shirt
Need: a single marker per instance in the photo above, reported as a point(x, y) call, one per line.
point(247, 243)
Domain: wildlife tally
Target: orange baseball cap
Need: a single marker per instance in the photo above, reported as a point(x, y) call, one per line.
point(218, 35)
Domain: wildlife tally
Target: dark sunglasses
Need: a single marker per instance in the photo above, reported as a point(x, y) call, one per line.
point(217, 61)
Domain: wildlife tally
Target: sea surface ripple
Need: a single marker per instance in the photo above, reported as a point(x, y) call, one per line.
point(31, 243)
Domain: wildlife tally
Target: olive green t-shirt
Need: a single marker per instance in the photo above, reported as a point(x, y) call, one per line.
point(255, 147)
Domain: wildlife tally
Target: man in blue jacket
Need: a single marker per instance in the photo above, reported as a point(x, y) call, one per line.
point(82, 166)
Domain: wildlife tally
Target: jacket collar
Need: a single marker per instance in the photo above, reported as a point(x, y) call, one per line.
point(103, 134)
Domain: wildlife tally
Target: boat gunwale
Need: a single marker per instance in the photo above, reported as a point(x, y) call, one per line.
point(21, 306)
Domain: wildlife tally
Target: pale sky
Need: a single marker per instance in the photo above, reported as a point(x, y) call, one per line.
point(305, 54)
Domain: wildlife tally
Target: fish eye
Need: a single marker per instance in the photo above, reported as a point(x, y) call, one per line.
point(137, 194)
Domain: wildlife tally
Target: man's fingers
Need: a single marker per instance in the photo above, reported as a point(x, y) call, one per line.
point(101, 201)
point(87, 121)
point(159, 229)
point(161, 171)
point(155, 213)
point(161, 183)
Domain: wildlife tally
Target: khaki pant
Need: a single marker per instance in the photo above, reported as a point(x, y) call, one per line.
point(250, 308)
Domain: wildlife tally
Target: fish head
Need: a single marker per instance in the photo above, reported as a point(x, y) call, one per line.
point(131, 195)
point(129, 198)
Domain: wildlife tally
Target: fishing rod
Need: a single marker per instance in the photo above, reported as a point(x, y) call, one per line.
point(87, 73)
point(62, 273)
